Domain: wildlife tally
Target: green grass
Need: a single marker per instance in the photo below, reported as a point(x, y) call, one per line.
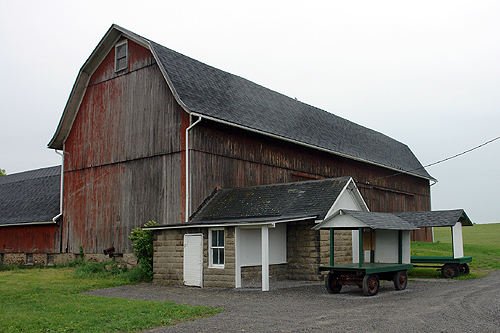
point(481, 242)
point(49, 300)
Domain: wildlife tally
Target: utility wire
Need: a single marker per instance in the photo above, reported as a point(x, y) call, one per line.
point(438, 162)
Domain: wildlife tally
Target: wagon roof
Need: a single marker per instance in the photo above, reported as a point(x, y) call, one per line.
point(205, 91)
point(437, 218)
point(30, 197)
point(398, 221)
point(373, 220)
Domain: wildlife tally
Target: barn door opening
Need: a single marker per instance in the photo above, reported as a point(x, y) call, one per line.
point(193, 260)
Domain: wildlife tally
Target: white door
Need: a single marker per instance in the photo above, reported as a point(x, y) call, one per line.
point(193, 260)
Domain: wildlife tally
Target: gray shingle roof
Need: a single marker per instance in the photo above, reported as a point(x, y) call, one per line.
point(437, 218)
point(30, 197)
point(286, 200)
point(386, 221)
point(208, 91)
point(218, 95)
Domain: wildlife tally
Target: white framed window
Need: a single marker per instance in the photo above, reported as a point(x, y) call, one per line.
point(216, 241)
point(121, 52)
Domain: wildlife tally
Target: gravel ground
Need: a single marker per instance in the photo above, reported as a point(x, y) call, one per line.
point(425, 306)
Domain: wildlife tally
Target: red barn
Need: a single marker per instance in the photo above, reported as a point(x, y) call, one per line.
point(149, 133)
point(30, 217)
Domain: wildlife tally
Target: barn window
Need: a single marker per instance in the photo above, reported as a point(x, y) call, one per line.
point(216, 241)
point(121, 52)
point(50, 259)
point(29, 258)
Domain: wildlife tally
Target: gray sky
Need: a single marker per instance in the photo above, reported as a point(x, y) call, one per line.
point(426, 73)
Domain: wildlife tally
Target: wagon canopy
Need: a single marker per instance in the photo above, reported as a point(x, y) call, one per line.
point(350, 219)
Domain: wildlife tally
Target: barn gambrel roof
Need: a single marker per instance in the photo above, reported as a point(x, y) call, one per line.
point(30, 197)
point(211, 93)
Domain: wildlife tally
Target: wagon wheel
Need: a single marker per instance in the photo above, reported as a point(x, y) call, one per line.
point(332, 283)
point(371, 283)
point(400, 280)
point(449, 271)
point(464, 269)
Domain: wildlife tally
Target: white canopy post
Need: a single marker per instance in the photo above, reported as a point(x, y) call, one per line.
point(265, 258)
point(457, 240)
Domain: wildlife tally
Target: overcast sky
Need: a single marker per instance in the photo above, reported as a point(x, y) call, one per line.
point(426, 73)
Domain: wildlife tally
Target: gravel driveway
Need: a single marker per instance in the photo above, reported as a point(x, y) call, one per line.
point(425, 306)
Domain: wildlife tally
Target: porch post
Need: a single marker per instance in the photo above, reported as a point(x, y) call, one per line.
point(265, 258)
point(237, 265)
point(361, 251)
point(332, 247)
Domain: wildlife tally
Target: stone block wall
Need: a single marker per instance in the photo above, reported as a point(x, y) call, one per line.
point(252, 275)
point(308, 249)
point(168, 258)
point(342, 246)
point(50, 259)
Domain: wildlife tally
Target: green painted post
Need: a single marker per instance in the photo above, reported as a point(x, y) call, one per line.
point(361, 253)
point(400, 246)
point(332, 247)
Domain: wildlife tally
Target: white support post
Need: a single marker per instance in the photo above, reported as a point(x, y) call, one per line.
point(237, 252)
point(265, 258)
point(457, 240)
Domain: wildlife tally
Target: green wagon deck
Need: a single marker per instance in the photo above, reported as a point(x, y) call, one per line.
point(367, 268)
point(439, 260)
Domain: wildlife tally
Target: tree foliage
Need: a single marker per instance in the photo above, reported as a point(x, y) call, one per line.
point(142, 241)
point(3, 172)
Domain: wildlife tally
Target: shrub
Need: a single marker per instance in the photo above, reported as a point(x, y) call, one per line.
point(142, 241)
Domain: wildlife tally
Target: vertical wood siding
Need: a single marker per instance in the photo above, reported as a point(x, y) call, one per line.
point(30, 239)
point(228, 157)
point(124, 156)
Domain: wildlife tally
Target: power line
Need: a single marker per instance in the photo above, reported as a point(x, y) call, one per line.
point(462, 153)
point(438, 162)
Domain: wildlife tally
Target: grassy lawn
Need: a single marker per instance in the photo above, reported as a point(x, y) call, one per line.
point(48, 300)
point(481, 242)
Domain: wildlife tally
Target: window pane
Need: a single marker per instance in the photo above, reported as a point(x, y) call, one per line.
point(221, 256)
point(221, 238)
point(214, 238)
point(121, 51)
point(215, 256)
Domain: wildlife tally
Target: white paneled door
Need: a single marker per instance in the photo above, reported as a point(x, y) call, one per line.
point(193, 260)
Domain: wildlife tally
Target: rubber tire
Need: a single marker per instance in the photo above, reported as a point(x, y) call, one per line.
point(400, 280)
point(371, 284)
point(333, 284)
point(464, 269)
point(450, 271)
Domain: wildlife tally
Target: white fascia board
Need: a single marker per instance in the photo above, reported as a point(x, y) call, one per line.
point(249, 225)
point(341, 220)
point(352, 190)
point(26, 224)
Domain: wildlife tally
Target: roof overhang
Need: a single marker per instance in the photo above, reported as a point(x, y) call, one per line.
point(244, 223)
point(26, 224)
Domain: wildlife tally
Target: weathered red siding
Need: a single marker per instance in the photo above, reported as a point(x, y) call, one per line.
point(124, 156)
point(228, 157)
point(30, 239)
